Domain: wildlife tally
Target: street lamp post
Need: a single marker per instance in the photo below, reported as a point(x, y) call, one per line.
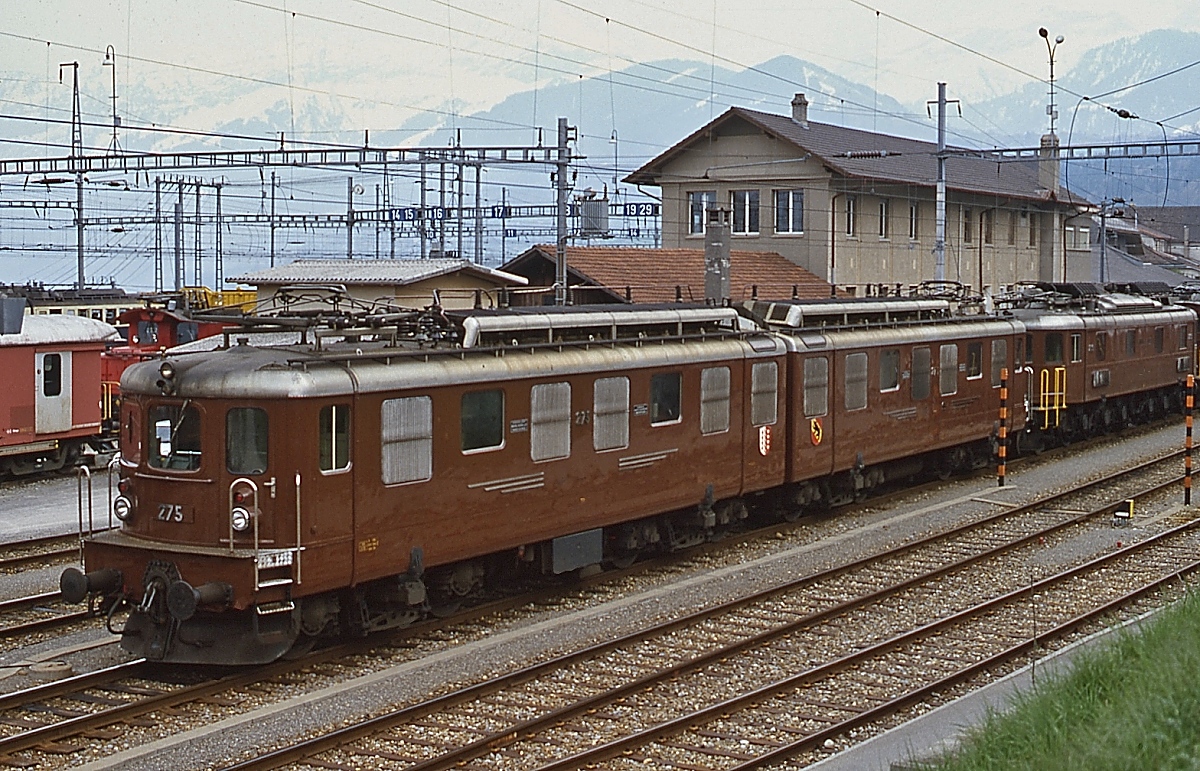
point(1051, 48)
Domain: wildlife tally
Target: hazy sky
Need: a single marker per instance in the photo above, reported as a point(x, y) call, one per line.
point(381, 61)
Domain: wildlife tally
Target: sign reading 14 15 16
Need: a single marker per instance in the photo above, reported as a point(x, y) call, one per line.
point(645, 209)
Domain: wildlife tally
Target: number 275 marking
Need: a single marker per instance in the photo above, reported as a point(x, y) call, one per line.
point(170, 512)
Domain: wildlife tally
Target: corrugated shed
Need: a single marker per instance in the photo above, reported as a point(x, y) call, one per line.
point(370, 272)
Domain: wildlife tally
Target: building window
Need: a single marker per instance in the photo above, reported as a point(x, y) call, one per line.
point(610, 413)
point(948, 371)
point(699, 202)
point(482, 420)
point(889, 370)
point(851, 216)
point(246, 440)
point(914, 220)
point(714, 400)
point(665, 398)
point(406, 439)
point(745, 212)
point(883, 217)
point(764, 393)
point(968, 225)
point(789, 211)
point(333, 445)
point(816, 387)
point(1033, 228)
point(1012, 228)
point(856, 381)
point(986, 218)
point(550, 421)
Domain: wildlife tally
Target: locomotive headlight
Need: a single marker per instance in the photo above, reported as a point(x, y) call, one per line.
point(240, 518)
point(122, 508)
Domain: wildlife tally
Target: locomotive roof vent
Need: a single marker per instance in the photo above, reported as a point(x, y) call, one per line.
point(1123, 303)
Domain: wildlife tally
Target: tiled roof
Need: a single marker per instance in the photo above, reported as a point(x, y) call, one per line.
point(1171, 219)
point(877, 157)
point(370, 272)
point(651, 275)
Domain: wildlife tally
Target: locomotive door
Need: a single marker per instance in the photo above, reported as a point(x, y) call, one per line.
point(52, 384)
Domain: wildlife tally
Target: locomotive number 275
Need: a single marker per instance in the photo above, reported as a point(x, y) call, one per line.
point(170, 512)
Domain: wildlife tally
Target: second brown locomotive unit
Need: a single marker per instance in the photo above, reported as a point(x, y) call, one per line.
point(350, 471)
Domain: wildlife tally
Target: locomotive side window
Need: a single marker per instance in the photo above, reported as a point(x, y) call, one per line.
point(816, 387)
point(1029, 349)
point(1101, 346)
point(714, 400)
point(1159, 339)
point(1131, 342)
point(550, 421)
point(948, 374)
point(665, 390)
point(334, 442)
point(889, 370)
point(1181, 336)
point(1076, 348)
point(999, 360)
point(856, 381)
point(246, 440)
point(974, 361)
point(52, 374)
point(406, 436)
point(175, 437)
point(764, 393)
point(610, 413)
point(482, 420)
point(920, 373)
point(1054, 348)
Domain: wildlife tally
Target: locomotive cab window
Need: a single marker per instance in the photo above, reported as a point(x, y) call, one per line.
point(175, 437)
point(482, 420)
point(1131, 343)
point(974, 361)
point(665, 397)
point(714, 400)
point(1160, 336)
point(246, 440)
point(889, 370)
point(52, 374)
point(334, 443)
point(1076, 348)
point(1054, 348)
point(1101, 346)
point(816, 387)
point(1181, 337)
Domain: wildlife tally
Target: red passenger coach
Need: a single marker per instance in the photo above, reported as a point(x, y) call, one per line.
point(51, 398)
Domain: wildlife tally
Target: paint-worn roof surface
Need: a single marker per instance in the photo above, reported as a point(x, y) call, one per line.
point(872, 156)
point(45, 329)
point(371, 272)
point(652, 274)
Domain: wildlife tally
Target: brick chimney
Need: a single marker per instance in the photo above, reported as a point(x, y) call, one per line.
point(716, 257)
point(800, 110)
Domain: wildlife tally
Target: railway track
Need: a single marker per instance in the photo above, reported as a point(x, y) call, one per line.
point(811, 660)
point(37, 613)
point(59, 717)
point(52, 550)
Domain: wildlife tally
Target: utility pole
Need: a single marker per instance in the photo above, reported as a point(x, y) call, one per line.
point(562, 166)
point(158, 250)
point(220, 258)
point(377, 223)
point(179, 241)
point(939, 238)
point(424, 221)
point(442, 204)
point(76, 158)
point(197, 276)
point(478, 214)
point(110, 60)
point(272, 219)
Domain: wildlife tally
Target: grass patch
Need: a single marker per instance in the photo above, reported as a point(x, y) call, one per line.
point(1133, 703)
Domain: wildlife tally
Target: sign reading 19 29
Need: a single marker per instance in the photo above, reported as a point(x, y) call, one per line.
point(644, 209)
